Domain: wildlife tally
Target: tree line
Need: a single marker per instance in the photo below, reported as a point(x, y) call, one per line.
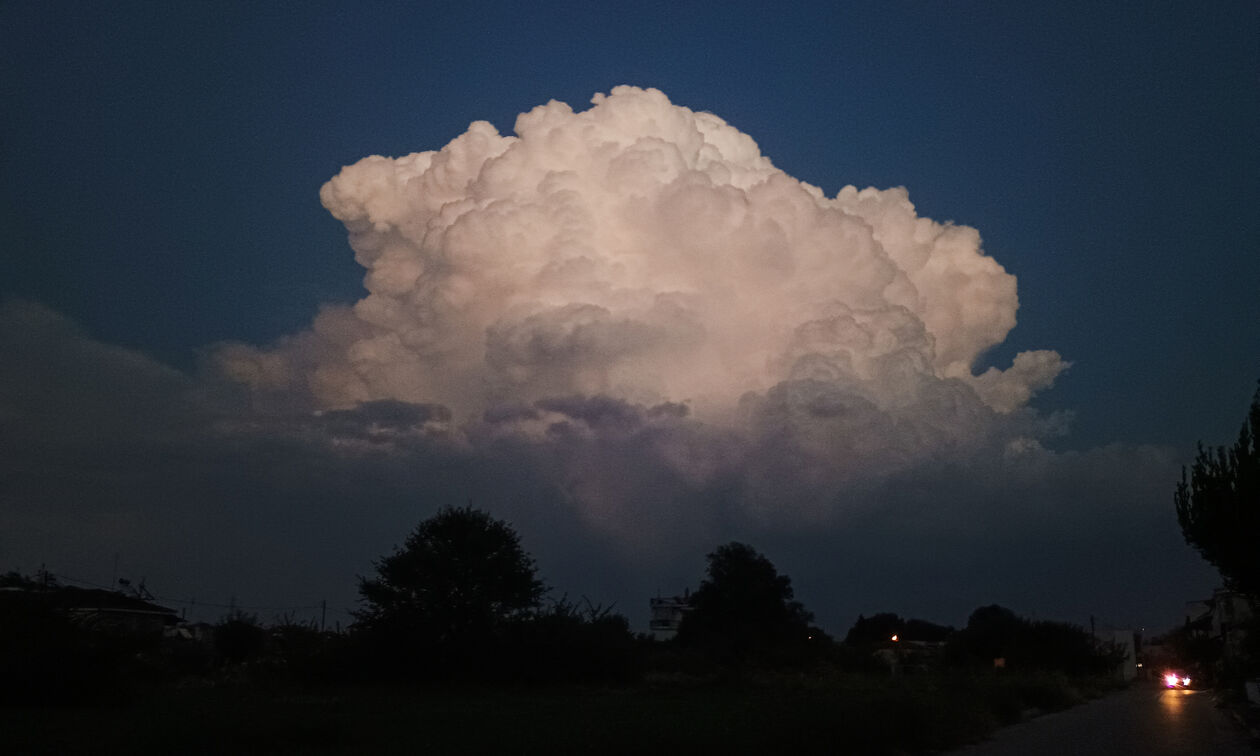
point(461, 601)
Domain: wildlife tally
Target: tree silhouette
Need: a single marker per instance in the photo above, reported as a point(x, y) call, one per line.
point(457, 578)
point(1218, 507)
point(881, 627)
point(745, 608)
point(239, 637)
point(875, 629)
point(994, 632)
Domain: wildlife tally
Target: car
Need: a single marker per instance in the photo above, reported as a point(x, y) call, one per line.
point(1176, 679)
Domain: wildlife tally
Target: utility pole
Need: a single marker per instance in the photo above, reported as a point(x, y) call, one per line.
point(323, 613)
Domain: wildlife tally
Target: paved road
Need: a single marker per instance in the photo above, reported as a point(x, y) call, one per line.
point(1140, 720)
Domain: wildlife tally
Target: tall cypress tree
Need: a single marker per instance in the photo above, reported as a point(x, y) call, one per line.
point(1218, 506)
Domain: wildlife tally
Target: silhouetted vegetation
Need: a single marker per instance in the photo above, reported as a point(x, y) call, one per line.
point(879, 628)
point(460, 575)
point(456, 650)
point(461, 601)
point(745, 611)
point(1218, 506)
point(1193, 648)
point(52, 656)
point(831, 714)
point(994, 632)
point(566, 643)
point(239, 638)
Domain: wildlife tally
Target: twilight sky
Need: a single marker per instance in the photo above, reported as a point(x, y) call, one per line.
point(928, 302)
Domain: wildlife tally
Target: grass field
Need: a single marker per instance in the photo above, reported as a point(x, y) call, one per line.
point(823, 714)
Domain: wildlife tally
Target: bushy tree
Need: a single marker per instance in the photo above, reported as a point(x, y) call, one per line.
point(457, 577)
point(744, 609)
point(881, 627)
point(992, 631)
point(874, 629)
point(239, 637)
point(996, 632)
point(568, 643)
point(1218, 506)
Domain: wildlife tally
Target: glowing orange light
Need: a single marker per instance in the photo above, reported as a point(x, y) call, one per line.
point(894, 637)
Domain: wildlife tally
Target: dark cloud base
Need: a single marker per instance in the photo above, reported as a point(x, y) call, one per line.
point(105, 452)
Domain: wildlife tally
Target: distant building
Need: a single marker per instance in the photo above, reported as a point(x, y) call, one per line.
point(196, 632)
point(1222, 617)
point(1198, 625)
point(901, 654)
point(97, 610)
point(134, 618)
point(1154, 656)
point(667, 615)
point(1124, 641)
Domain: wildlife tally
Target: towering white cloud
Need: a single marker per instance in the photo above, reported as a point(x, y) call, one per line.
point(628, 333)
point(649, 254)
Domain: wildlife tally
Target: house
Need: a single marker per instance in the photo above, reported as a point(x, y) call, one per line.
point(95, 609)
point(118, 614)
point(667, 615)
point(1228, 614)
point(903, 654)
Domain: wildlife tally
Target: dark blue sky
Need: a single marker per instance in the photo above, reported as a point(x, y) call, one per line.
point(161, 162)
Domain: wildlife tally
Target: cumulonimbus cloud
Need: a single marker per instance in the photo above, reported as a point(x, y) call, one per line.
point(631, 335)
point(650, 255)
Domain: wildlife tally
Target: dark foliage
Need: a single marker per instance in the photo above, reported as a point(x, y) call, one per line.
point(844, 715)
point(995, 632)
point(48, 658)
point(460, 601)
point(1218, 506)
point(561, 644)
point(745, 611)
point(301, 652)
point(992, 632)
point(458, 577)
point(239, 638)
point(1193, 648)
point(15, 579)
point(290, 652)
point(568, 644)
point(1247, 663)
point(879, 628)
point(929, 632)
point(874, 629)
